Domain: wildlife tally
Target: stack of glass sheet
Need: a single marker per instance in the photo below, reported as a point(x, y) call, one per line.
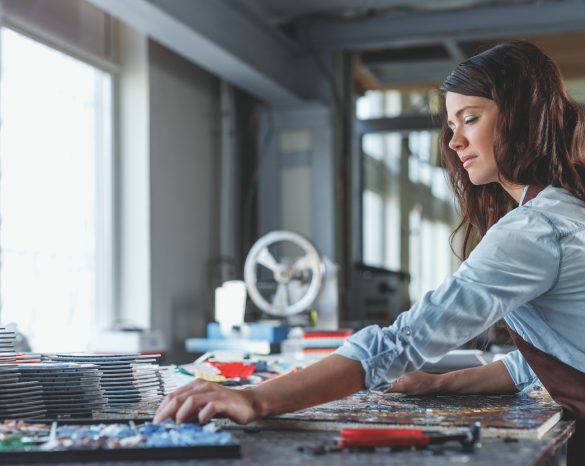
point(7, 339)
point(19, 398)
point(68, 389)
point(131, 382)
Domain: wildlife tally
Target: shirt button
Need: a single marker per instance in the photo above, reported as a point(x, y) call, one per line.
point(406, 331)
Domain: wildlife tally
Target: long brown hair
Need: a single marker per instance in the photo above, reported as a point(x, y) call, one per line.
point(539, 137)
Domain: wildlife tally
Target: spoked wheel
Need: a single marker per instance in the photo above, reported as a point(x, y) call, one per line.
point(298, 279)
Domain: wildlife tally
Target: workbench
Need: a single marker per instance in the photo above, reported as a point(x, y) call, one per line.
point(275, 448)
point(281, 448)
point(514, 433)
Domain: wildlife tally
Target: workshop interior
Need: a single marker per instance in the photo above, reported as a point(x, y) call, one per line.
point(227, 190)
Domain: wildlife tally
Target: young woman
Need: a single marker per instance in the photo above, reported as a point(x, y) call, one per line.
point(513, 143)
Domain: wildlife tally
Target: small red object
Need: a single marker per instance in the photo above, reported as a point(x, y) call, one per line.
point(234, 369)
point(352, 438)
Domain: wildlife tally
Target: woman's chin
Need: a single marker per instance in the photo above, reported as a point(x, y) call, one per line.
point(479, 180)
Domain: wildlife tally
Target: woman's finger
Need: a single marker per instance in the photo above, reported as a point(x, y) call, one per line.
point(397, 386)
point(189, 408)
point(167, 411)
point(194, 403)
point(175, 400)
point(211, 409)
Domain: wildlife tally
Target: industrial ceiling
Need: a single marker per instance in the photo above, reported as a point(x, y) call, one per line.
point(268, 47)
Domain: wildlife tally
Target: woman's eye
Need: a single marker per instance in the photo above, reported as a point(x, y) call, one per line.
point(470, 120)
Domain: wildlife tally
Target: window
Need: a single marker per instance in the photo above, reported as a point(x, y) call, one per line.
point(407, 205)
point(55, 210)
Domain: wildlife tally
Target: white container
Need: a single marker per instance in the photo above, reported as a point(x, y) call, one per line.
point(293, 345)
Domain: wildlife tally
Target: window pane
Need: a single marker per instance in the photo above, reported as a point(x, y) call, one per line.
point(373, 234)
point(393, 103)
point(381, 169)
point(392, 230)
point(53, 134)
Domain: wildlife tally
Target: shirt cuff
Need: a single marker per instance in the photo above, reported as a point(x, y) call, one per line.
point(375, 353)
point(520, 372)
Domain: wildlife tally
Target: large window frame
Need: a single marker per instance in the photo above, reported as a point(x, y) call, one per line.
point(104, 312)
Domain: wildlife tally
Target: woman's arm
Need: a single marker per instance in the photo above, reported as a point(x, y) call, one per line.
point(329, 379)
point(491, 378)
point(332, 378)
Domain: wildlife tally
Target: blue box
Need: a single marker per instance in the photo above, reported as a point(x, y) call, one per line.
point(258, 331)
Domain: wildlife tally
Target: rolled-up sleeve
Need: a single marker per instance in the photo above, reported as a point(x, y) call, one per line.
point(520, 372)
point(517, 261)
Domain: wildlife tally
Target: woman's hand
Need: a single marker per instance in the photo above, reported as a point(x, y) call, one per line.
point(416, 383)
point(332, 378)
point(487, 379)
point(201, 400)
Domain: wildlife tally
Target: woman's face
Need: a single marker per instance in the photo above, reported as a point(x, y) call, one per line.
point(473, 122)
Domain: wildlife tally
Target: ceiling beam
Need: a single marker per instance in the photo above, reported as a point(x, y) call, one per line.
point(420, 72)
point(219, 38)
point(479, 23)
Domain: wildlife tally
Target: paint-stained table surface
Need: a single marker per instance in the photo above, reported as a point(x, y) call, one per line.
point(280, 447)
point(523, 415)
point(516, 430)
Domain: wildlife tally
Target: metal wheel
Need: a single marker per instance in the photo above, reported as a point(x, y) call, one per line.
point(298, 279)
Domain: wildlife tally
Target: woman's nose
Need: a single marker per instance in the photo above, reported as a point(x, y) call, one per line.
point(457, 142)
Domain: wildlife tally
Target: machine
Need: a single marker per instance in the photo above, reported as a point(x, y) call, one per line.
point(285, 275)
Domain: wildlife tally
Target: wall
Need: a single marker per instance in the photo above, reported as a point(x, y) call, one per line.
point(297, 174)
point(184, 150)
point(132, 182)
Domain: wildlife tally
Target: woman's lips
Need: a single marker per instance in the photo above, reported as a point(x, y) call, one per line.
point(467, 159)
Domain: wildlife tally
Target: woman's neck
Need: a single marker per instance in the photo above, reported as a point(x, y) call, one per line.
point(514, 190)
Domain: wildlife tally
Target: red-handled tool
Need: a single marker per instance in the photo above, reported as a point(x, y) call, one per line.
point(404, 438)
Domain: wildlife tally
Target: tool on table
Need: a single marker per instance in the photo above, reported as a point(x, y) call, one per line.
point(356, 439)
point(404, 438)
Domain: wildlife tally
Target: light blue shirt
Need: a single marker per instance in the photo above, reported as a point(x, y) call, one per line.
point(528, 269)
